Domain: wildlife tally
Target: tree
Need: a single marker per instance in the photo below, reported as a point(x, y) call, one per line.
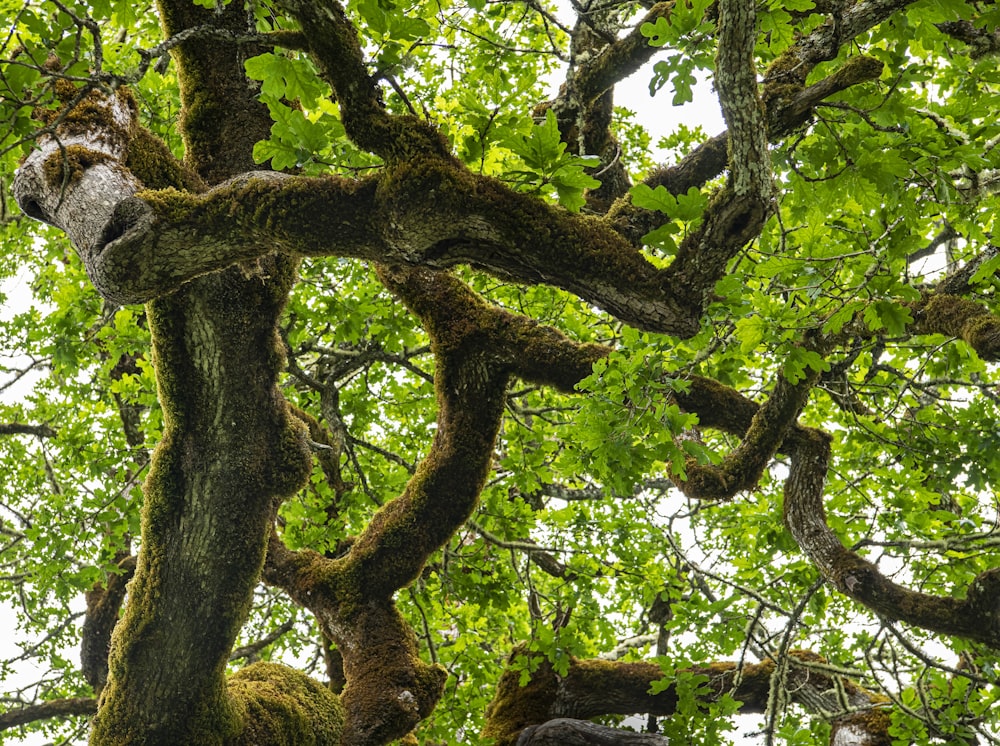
point(451, 417)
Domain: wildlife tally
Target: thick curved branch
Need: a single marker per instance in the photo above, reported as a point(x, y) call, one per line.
point(977, 617)
point(388, 688)
point(477, 348)
point(431, 211)
point(742, 468)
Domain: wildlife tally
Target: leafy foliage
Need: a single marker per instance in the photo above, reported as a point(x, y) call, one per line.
point(580, 533)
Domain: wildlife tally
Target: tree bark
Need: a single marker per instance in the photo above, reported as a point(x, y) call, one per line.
point(568, 732)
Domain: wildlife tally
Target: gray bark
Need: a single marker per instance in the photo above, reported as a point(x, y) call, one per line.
point(568, 732)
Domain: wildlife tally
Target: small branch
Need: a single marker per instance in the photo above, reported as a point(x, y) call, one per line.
point(982, 41)
point(57, 708)
point(251, 650)
point(626, 645)
point(335, 47)
point(541, 556)
point(14, 428)
point(959, 282)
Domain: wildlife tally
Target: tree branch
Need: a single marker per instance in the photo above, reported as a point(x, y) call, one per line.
point(56, 708)
point(15, 428)
point(333, 44)
point(983, 42)
point(570, 732)
point(103, 604)
point(958, 317)
point(619, 60)
point(432, 212)
point(977, 617)
point(592, 688)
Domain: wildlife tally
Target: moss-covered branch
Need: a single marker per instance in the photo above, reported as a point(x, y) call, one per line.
point(592, 688)
point(976, 617)
point(983, 41)
point(477, 348)
point(736, 81)
point(428, 211)
point(741, 469)
point(618, 60)
point(388, 688)
point(795, 63)
point(958, 317)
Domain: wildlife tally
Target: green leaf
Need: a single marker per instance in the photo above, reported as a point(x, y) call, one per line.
point(660, 33)
point(799, 360)
point(836, 320)
point(987, 269)
point(888, 315)
point(658, 199)
point(751, 332)
point(542, 148)
point(283, 77)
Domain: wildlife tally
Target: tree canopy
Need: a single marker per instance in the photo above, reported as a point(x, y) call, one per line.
point(375, 388)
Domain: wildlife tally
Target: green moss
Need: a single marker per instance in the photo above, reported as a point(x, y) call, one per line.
point(515, 707)
point(91, 115)
point(171, 205)
point(291, 462)
point(220, 116)
point(555, 245)
point(778, 94)
point(965, 319)
point(858, 69)
point(787, 68)
point(874, 723)
point(151, 162)
point(704, 482)
point(392, 695)
point(284, 707)
point(67, 166)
